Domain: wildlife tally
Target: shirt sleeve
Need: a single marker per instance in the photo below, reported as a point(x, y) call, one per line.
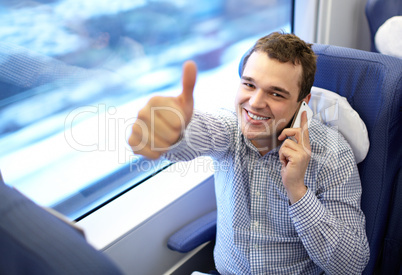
point(206, 135)
point(330, 222)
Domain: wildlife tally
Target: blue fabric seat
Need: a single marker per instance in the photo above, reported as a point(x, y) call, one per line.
point(33, 241)
point(372, 84)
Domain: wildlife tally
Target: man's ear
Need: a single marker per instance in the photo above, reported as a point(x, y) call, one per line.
point(307, 98)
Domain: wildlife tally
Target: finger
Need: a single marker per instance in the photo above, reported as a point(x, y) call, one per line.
point(172, 116)
point(288, 154)
point(287, 150)
point(143, 142)
point(148, 153)
point(284, 155)
point(304, 127)
point(297, 141)
point(188, 82)
point(288, 143)
point(156, 130)
point(303, 120)
point(164, 131)
point(166, 110)
point(290, 132)
point(159, 144)
point(139, 136)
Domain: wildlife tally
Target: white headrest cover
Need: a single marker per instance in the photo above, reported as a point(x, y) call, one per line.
point(335, 111)
point(388, 39)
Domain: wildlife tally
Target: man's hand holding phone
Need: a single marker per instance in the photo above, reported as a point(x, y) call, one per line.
point(295, 156)
point(162, 121)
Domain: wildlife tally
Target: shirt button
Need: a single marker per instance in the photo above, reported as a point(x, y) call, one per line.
point(255, 246)
point(256, 223)
point(257, 193)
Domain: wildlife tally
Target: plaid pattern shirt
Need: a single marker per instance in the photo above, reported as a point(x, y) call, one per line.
point(258, 232)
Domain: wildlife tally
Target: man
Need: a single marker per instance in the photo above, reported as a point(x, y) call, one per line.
point(285, 206)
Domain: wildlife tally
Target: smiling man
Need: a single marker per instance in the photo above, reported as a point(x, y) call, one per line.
point(267, 98)
point(285, 206)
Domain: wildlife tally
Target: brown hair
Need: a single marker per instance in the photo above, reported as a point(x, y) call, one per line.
point(289, 48)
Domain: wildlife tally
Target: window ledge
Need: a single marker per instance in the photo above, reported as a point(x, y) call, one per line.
point(114, 220)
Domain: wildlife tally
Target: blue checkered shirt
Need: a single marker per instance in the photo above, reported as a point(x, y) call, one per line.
point(258, 231)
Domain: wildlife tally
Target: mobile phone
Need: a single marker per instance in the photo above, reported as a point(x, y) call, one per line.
point(297, 118)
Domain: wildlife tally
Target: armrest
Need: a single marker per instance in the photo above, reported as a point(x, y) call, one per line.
point(194, 234)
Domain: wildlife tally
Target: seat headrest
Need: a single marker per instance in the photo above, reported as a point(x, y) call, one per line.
point(335, 111)
point(388, 37)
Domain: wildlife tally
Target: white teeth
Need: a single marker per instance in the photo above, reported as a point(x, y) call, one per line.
point(256, 117)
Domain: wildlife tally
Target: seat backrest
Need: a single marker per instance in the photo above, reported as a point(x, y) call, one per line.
point(372, 84)
point(377, 12)
point(33, 241)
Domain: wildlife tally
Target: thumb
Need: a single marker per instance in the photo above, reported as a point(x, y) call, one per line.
point(186, 99)
point(188, 82)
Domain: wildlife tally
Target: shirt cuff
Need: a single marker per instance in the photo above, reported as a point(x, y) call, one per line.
point(306, 212)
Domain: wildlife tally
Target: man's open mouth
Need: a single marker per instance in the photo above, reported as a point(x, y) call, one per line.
point(255, 117)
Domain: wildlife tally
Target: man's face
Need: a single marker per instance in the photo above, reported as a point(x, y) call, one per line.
point(267, 98)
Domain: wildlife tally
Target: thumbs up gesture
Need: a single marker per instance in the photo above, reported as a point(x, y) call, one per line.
point(161, 122)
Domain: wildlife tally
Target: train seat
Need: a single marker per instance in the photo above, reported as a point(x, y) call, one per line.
point(379, 11)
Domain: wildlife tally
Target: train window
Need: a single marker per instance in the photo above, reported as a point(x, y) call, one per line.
point(73, 75)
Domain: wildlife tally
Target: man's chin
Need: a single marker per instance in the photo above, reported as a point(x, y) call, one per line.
point(262, 141)
point(256, 135)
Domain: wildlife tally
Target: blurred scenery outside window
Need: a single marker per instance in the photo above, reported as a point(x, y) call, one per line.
point(73, 75)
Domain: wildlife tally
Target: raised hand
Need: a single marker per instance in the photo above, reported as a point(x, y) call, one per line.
point(161, 122)
point(295, 157)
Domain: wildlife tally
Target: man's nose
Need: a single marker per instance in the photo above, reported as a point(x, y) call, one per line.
point(257, 100)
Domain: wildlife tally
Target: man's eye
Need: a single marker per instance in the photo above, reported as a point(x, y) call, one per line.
point(276, 95)
point(249, 85)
